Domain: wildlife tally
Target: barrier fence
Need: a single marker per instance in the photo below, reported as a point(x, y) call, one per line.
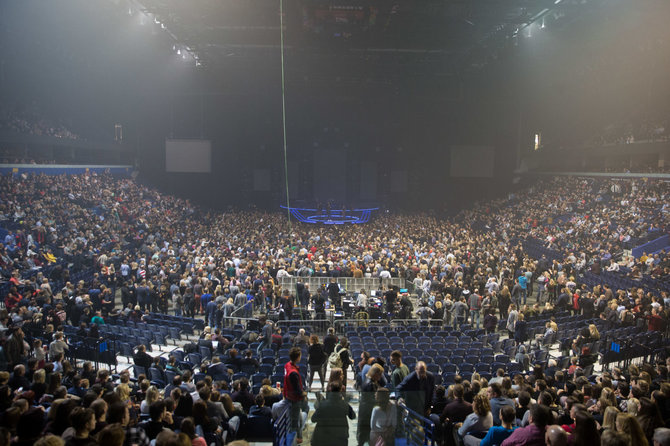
point(419, 430)
point(350, 284)
point(341, 325)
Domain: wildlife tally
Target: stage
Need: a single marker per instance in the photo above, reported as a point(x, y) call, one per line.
point(327, 216)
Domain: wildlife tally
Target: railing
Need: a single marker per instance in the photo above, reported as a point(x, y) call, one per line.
point(320, 326)
point(280, 427)
point(419, 430)
point(652, 246)
point(350, 284)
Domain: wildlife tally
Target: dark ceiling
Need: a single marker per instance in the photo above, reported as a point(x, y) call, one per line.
point(466, 33)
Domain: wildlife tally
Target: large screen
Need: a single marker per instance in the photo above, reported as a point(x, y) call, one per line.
point(188, 155)
point(472, 161)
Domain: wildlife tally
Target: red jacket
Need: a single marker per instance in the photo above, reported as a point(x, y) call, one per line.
point(292, 382)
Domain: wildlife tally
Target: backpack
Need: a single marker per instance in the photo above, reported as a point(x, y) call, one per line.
point(334, 360)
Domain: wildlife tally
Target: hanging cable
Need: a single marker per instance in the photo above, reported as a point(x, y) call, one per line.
point(283, 115)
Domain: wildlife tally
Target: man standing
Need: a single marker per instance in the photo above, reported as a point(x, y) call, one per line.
point(293, 392)
point(266, 335)
point(523, 283)
point(517, 292)
point(400, 371)
point(417, 389)
point(475, 302)
point(390, 296)
point(460, 310)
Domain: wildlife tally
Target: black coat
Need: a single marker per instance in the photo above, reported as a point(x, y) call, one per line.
point(332, 427)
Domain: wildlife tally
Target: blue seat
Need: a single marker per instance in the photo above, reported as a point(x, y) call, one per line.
point(277, 378)
point(198, 377)
point(483, 367)
point(175, 334)
point(169, 376)
point(139, 370)
point(194, 358)
point(449, 378)
point(266, 369)
point(434, 369)
point(449, 368)
point(472, 359)
point(502, 358)
point(258, 378)
point(156, 376)
point(465, 368)
point(240, 375)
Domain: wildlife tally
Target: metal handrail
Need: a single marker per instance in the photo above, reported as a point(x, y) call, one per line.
point(419, 430)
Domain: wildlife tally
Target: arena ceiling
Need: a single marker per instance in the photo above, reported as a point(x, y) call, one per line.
point(469, 33)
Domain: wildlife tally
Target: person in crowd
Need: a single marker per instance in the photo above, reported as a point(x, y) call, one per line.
point(332, 427)
point(316, 361)
point(383, 420)
point(417, 389)
point(534, 433)
point(497, 434)
point(480, 420)
point(294, 391)
point(373, 382)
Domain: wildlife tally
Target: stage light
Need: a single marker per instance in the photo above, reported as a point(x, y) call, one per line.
point(543, 25)
point(179, 51)
point(556, 2)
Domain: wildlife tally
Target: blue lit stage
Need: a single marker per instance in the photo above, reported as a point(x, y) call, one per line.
point(331, 216)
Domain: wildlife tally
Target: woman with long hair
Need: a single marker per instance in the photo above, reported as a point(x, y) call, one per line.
point(628, 424)
point(316, 361)
point(521, 330)
point(38, 385)
point(151, 397)
point(481, 419)
point(345, 356)
point(200, 418)
point(184, 405)
point(367, 401)
point(609, 418)
point(585, 431)
point(512, 317)
point(383, 420)
point(230, 407)
point(188, 428)
point(649, 418)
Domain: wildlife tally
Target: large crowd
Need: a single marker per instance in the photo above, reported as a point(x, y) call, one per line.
point(85, 249)
point(31, 121)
